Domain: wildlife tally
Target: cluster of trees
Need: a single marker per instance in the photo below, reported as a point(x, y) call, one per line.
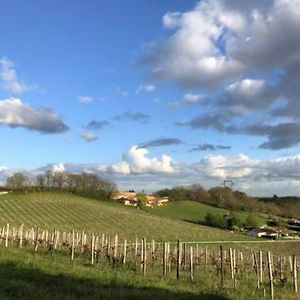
point(230, 221)
point(225, 197)
point(85, 184)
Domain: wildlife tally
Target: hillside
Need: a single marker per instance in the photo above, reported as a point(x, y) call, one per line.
point(66, 212)
point(195, 211)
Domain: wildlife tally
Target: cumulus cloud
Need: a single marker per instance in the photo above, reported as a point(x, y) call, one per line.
point(88, 137)
point(137, 162)
point(15, 113)
point(161, 142)
point(235, 52)
point(9, 79)
point(222, 167)
point(85, 99)
point(132, 116)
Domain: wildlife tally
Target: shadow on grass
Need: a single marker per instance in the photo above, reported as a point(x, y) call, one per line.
point(29, 283)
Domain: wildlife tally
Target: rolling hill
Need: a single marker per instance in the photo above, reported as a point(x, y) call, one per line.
point(67, 212)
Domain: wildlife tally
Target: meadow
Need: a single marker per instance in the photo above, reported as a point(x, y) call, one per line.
point(192, 211)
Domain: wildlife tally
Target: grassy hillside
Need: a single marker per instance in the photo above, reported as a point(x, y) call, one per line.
point(194, 211)
point(28, 276)
point(66, 212)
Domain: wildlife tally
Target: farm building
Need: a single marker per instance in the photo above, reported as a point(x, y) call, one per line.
point(127, 198)
point(267, 232)
point(131, 198)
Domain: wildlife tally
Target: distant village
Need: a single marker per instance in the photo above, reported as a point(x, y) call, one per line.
point(130, 198)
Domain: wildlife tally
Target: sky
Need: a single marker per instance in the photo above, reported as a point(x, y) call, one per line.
point(153, 94)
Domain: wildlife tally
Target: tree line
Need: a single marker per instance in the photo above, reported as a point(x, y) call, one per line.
point(84, 184)
point(225, 197)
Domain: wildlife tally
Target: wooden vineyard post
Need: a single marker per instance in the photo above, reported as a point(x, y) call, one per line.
point(21, 236)
point(270, 275)
point(256, 268)
point(56, 239)
point(178, 260)
point(115, 252)
point(72, 246)
point(260, 267)
point(36, 241)
point(124, 252)
point(6, 237)
point(92, 249)
point(169, 260)
point(191, 264)
point(145, 257)
point(153, 253)
point(165, 259)
point(205, 257)
point(222, 266)
point(136, 253)
point(142, 253)
point(295, 274)
point(184, 256)
point(232, 270)
point(82, 241)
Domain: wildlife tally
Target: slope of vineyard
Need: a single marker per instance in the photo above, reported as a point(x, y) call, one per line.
point(66, 212)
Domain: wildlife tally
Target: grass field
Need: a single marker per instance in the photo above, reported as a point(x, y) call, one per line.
point(67, 212)
point(195, 211)
point(29, 276)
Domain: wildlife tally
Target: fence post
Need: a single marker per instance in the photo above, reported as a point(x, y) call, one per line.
point(270, 275)
point(178, 260)
point(191, 264)
point(222, 266)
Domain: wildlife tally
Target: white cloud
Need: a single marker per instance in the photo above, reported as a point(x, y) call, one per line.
point(85, 99)
point(15, 113)
point(88, 137)
point(59, 168)
point(146, 88)
point(137, 162)
point(9, 79)
point(189, 99)
point(228, 167)
point(247, 87)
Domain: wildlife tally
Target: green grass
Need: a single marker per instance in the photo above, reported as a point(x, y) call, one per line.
point(195, 211)
point(67, 212)
point(28, 276)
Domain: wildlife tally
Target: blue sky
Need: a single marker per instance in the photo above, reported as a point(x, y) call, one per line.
point(153, 93)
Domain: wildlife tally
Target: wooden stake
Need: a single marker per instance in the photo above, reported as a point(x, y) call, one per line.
point(36, 241)
point(124, 252)
point(270, 275)
point(191, 264)
point(165, 259)
point(295, 274)
point(178, 260)
point(145, 257)
point(6, 238)
point(222, 266)
point(21, 236)
point(92, 249)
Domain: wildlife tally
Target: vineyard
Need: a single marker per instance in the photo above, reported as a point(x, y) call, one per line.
point(266, 275)
point(68, 212)
point(98, 249)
